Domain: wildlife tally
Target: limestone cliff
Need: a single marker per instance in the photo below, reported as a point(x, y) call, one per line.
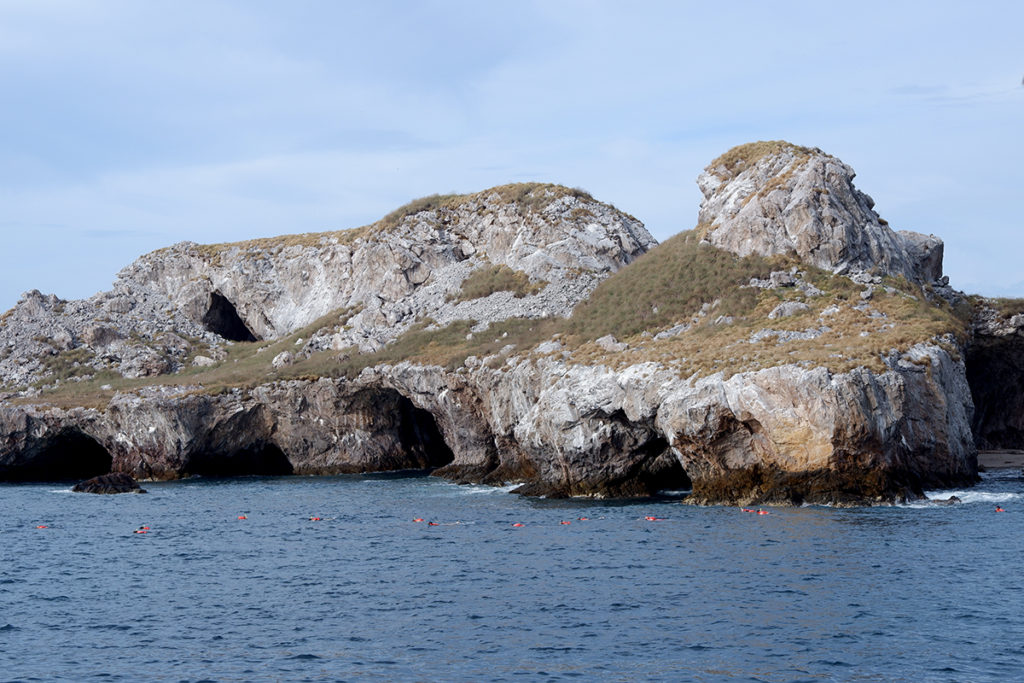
point(777, 198)
point(791, 349)
point(187, 300)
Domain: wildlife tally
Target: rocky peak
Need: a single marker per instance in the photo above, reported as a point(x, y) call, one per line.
point(776, 198)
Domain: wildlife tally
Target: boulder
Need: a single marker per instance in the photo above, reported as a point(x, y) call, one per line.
point(776, 198)
point(116, 482)
point(788, 308)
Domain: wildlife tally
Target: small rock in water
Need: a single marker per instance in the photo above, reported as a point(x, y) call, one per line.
point(117, 482)
point(952, 500)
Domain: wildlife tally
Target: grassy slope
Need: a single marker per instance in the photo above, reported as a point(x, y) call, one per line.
point(669, 285)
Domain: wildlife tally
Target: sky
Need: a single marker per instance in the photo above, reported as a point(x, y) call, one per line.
point(127, 126)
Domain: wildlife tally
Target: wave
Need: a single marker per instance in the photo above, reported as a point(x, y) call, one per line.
point(975, 496)
point(473, 489)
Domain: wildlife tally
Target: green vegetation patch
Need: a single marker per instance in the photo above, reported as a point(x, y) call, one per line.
point(668, 284)
point(490, 279)
point(65, 365)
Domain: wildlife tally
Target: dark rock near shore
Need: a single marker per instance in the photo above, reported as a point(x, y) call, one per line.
point(116, 482)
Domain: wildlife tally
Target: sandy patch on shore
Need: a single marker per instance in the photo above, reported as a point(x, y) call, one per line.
point(994, 460)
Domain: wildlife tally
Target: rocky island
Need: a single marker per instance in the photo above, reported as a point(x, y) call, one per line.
point(791, 348)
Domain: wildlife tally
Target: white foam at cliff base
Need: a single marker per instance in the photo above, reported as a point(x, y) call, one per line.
point(473, 489)
point(975, 496)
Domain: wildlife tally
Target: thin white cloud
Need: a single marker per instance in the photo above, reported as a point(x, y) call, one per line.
point(223, 120)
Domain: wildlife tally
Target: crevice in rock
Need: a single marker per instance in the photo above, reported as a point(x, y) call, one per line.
point(222, 318)
point(261, 459)
point(67, 456)
point(995, 373)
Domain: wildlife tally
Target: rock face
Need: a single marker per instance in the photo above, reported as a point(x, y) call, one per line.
point(774, 198)
point(781, 435)
point(109, 483)
point(387, 276)
point(557, 423)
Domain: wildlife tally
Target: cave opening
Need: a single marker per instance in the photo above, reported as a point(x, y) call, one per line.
point(67, 456)
point(662, 471)
point(260, 459)
point(222, 318)
point(421, 440)
point(995, 374)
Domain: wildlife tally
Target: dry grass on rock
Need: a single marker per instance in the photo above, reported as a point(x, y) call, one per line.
point(669, 284)
point(683, 281)
point(742, 157)
point(1007, 307)
point(526, 197)
point(487, 280)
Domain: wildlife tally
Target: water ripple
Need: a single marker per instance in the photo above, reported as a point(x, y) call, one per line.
point(898, 593)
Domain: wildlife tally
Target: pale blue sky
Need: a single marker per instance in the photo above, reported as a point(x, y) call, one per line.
point(131, 125)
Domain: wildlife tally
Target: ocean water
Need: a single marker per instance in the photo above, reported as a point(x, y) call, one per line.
point(914, 593)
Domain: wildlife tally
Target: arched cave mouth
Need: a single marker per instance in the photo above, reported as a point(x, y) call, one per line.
point(423, 444)
point(995, 373)
point(222, 318)
point(67, 456)
point(662, 472)
point(262, 459)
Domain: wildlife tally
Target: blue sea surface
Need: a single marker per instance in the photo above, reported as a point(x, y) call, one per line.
point(912, 593)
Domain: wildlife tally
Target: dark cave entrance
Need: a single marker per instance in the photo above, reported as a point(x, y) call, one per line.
point(657, 469)
point(663, 471)
point(423, 445)
point(995, 373)
point(222, 318)
point(650, 464)
point(67, 456)
point(262, 459)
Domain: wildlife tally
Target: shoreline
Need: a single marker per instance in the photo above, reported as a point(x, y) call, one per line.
point(999, 460)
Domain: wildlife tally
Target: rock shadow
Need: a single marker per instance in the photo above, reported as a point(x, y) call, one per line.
point(70, 455)
point(222, 318)
point(422, 442)
point(261, 459)
point(995, 373)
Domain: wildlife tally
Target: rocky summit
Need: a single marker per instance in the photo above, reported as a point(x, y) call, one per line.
point(791, 348)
